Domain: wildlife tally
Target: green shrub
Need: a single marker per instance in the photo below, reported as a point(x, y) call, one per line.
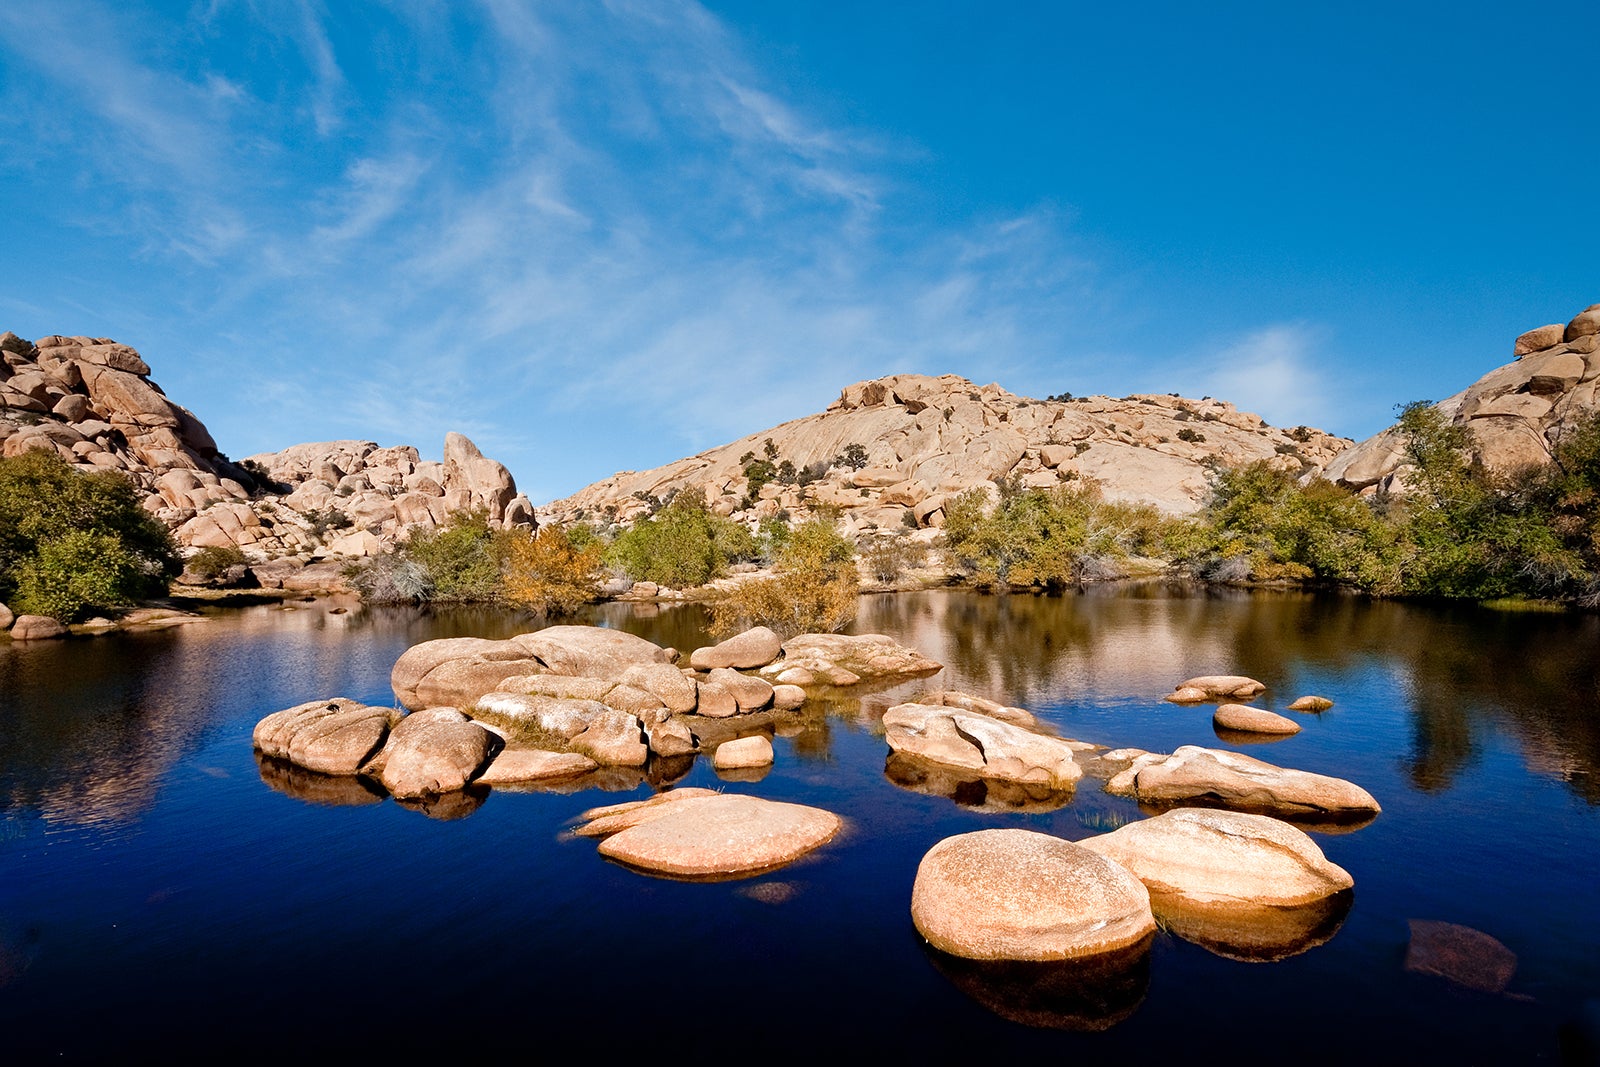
point(1038, 537)
point(212, 560)
point(462, 558)
point(681, 546)
point(813, 589)
point(72, 541)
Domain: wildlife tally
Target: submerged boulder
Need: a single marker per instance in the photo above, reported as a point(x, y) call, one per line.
point(1020, 895)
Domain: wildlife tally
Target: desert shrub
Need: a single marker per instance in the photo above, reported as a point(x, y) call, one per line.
point(461, 559)
point(1190, 435)
point(1036, 537)
point(391, 579)
point(212, 560)
point(887, 558)
point(813, 589)
point(551, 571)
point(682, 545)
point(72, 541)
point(326, 520)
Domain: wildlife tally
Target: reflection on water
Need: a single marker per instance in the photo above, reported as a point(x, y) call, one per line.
point(152, 861)
point(1251, 933)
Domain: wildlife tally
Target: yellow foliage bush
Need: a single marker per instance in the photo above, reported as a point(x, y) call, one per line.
point(550, 571)
point(813, 589)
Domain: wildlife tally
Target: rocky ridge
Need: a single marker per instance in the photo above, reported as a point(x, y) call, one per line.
point(1515, 413)
point(92, 401)
point(927, 439)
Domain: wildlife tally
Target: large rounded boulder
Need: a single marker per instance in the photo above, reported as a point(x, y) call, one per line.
point(1020, 895)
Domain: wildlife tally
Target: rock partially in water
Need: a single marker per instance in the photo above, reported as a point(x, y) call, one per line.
point(671, 738)
point(1247, 720)
point(969, 789)
point(515, 766)
point(840, 659)
point(334, 736)
point(1311, 703)
point(719, 836)
point(432, 752)
point(1019, 895)
point(742, 752)
point(6, 617)
point(1460, 955)
point(1253, 933)
point(1223, 857)
point(949, 698)
point(1216, 778)
point(1222, 686)
point(754, 648)
point(975, 742)
point(36, 628)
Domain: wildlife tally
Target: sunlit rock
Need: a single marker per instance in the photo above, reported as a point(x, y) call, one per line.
point(718, 836)
point(1311, 703)
point(754, 648)
point(434, 751)
point(743, 752)
point(1222, 686)
point(978, 743)
point(522, 765)
point(1231, 780)
point(1242, 718)
point(1019, 895)
point(841, 659)
point(327, 736)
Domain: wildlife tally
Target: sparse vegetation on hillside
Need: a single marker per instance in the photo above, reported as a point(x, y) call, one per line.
point(72, 543)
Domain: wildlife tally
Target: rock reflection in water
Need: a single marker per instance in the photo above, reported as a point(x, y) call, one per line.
point(340, 791)
point(1085, 995)
point(448, 807)
point(971, 791)
point(1252, 933)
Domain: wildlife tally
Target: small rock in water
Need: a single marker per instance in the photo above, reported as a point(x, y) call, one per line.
point(1311, 703)
point(1252, 720)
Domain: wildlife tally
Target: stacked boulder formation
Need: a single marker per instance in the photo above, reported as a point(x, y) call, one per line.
point(1516, 413)
point(923, 440)
point(92, 401)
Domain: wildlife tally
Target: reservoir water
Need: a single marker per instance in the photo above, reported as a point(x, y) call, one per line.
point(164, 897)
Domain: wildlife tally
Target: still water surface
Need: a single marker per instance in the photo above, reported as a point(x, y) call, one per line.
point(159, 896)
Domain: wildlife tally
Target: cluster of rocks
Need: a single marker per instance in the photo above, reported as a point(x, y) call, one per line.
point(1248, 886)
point(927, 439)
point(1241, 722)
point(43, 627)
point(1515, 414)
point(92, 401)
point(565, 701)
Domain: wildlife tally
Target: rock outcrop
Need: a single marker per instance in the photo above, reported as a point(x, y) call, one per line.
point(1515, 413)
point(92, 401)
point(1022, 895)
point(918, 440)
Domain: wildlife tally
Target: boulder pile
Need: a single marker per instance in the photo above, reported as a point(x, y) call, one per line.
point(1515, 413)
point(92, 401)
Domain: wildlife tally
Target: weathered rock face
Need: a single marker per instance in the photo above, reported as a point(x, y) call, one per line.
point(36, 628)
point(1515, 413)
point(755, 647)
point(1215, 777)
point(92, 401)
point(1223, 857)
point(433, 752)
point(690, 834)
point(1021, 895)
point(841, 659)
point(326, 736)
point(926, 439)
point(972, 741)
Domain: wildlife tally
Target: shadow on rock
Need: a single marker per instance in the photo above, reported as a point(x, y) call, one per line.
point(1319, 822)
point(1084, 995)
point(969, 790)
point(341, 791)
point(1253, 933)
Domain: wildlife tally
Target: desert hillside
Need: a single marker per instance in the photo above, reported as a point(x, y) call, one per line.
point(924, 439)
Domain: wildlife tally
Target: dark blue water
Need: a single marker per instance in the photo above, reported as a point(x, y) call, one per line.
point(159, 898)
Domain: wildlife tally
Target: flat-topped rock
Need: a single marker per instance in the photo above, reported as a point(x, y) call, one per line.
point(1311, 703)
point(841, 659)
point(1244, 719)
point(754, 648)
point(1229, 779)
point(517, 766)
point(989, 747)
point(1223, 857)
point(1015, 894)
point(717, 836)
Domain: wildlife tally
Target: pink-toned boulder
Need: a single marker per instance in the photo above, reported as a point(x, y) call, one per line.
point(743, 752)
point(719, 836)
point(1015, 894)
point(749, 692)
point(36, 628)
point(1538, 339)
point(1221, 686)
point(516, 766)
point(754, 648)
point(1311, 703)
point(1232, 780)
point(1245, 719)
point(334, 736)
point(434, 751)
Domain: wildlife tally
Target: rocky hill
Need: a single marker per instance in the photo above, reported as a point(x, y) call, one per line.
point(92, 401)
point(1515, 413)
point(921, 440)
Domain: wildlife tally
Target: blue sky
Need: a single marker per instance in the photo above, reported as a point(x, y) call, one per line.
point(596, 236)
